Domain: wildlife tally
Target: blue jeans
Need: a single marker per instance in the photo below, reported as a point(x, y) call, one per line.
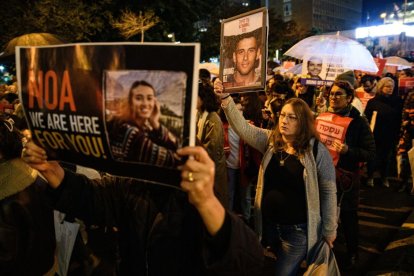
point(290, 243)
point(233, 178)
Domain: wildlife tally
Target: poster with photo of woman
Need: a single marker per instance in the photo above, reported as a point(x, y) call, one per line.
point(121, 108)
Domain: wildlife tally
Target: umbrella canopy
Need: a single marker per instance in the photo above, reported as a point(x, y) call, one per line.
point(210, 66)
point(296, 70)
point(399, 62)
point(33, 39)
point(336, 49)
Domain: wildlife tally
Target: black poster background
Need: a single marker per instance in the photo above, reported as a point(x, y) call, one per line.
point(85, 64)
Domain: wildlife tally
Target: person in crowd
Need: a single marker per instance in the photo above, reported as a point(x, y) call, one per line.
point(269, 71)
point(27, 239)
point(162, 230)
point(314, 67)
point(210, 135)
point(405, 144)
point(367, 90)
point(358, 146)
point(280, 92)
point(246, 58)
point(322, 105)
point(204, 75)
point(252, 112)
point(242, 168)
point(305, 92)
point(8, 102)
point(296, 193)
point(395, 91)
point(233, 147)
point(405, 73)
point(9, 98)
point(388, 110)
point(137, 134)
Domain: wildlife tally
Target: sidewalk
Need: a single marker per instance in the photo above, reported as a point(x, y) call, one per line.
point(398, 257)
point(386, 220)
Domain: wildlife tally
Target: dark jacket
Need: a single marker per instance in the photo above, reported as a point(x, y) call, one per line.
point(160, 233)
point(388, 121)
point(27, 234)
point(360, 141)
point(361, 148)
point(212, 139)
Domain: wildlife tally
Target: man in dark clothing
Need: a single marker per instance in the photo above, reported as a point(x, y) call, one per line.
point(161, 232)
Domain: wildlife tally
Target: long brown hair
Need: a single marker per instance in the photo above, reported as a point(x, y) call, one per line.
point(306, 127)
point(127, 112)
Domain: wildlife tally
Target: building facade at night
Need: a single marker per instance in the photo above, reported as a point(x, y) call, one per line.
point(325, 15)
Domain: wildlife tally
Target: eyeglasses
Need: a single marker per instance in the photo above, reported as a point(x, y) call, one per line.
point(337, 95)
point(290, 117)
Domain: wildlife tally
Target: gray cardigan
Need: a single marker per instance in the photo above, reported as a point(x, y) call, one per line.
point(319, 177)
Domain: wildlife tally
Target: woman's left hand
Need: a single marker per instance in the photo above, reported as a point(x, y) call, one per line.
point(340, 147)
point(330, 241)
point(197, 175)
point(154, 120)
point(198, 180)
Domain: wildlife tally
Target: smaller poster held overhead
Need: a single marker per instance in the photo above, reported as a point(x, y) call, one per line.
point(243, 51)
point(321, 70)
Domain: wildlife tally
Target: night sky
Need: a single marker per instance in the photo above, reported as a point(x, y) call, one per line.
point(375, 8)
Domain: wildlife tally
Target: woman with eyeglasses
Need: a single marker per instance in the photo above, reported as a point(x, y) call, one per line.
point(358, 146)
point(295, 204)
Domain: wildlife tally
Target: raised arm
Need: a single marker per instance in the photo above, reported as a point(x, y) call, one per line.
point(36, 157)
point(254, 136)
point(198, 181)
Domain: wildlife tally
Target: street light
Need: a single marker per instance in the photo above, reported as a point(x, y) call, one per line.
point(383, 16)
point(171, 36)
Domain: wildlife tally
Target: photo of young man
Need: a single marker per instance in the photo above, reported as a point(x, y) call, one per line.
point(314, 67)
point(243, 51)
point(246, 58)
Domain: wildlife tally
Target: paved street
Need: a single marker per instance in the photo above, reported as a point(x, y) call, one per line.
point(382, 213)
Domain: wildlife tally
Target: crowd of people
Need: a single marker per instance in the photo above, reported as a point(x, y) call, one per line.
point(256, 151)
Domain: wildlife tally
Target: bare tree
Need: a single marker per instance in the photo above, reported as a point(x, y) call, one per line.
point(131, 24)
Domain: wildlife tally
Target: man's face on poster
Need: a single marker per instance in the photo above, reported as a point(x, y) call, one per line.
point(245, 55)
point(314, 67)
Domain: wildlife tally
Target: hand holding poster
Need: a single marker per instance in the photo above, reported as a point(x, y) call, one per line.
point(243, 51)
point(119, 108)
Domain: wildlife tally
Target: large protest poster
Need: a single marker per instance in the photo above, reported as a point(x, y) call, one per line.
point(119, 108)
point(332, 128)
point(243, 51)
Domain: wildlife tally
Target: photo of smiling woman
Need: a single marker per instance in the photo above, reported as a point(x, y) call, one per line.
point(136, 134)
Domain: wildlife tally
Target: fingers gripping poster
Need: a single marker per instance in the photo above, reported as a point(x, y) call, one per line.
point(119, 108)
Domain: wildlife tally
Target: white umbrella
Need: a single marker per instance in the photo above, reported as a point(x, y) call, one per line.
point(399, 62)
point(296, 70)
point(335, 48)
